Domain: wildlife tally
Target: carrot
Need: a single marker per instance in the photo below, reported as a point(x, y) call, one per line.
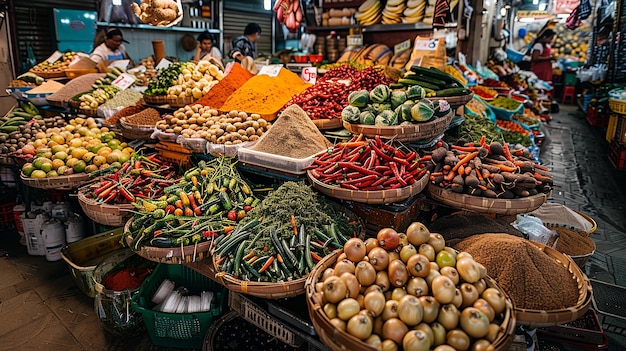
point(468, 170)
point(461, 169)
point(293, 225)
point(507, 152)
point(267, 264)
point(450, 175)
point(505, 168)
point(464, 160)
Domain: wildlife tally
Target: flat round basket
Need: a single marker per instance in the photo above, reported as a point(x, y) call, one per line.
point(541, 318)
point(328, 123)
point(482, 204)
point(68, 182)
point(279, 290)
point(137, 132)
point(371, 197)
point(594, 225)
point(48, 75)
point(411, 132)
point(339, 340)
point(171, 255)
point(155, 100)
point(180, 102)
point(454, 101)
point(93, 112)
point(105, 214)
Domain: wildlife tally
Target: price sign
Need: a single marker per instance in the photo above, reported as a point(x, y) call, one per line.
point(271, 70)
point(123, 64)
point(123, 81)
point(405, 45)
point(354, 40)
point(309, 74)
point(164, 63)
point(54, 57)
point(426, 44)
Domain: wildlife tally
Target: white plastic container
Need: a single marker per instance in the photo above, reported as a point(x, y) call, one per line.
point(53, 238)
point(32, 231)
point(47, 207)
point(60, 210)
point(74, 228)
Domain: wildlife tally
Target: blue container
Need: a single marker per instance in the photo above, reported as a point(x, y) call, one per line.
point(514, 55)
point(505, 114)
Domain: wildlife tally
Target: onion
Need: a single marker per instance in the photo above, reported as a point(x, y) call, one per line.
point(468, 270)
point(439, 333)
point(431, 308)
point(449, 316)
point(355, 249)
point(417, 286)
point(330, 309)
point(458, 339)
point(469, 294)
point(365, 273)
point(426, 329)
point(338, 323)
point(410, 310)
point(407, 252)
point(382, 280)
point(374, 340)
point(359, 326)
point(443, 289)
point(347, 308)
point(354, 288)
point(335, 289)
point(474, 322)
point(375, 302)
point(418, 265)
point(388, 239)
point(416, 340)
point(403, 240)
point(428, 251)
point(495, 299)
point(390, 310)
point(344, 266)
point(417, 233)
point(451, 273)
point(397, 293)
point(370, 243)
point(379, 258)
point(388, 345)
point(485, 308)
point(398, 274)
point(394, 329)
point(437, 241)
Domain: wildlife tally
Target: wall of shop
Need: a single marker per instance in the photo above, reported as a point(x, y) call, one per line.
point(238, 14)
point(6, 101)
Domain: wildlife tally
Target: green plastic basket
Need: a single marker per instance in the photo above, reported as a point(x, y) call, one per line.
point(179, 330)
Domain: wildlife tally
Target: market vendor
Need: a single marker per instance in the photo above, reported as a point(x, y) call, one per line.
point(112, 48)
point(541, 56)
point(205, 49)
point(245, 45)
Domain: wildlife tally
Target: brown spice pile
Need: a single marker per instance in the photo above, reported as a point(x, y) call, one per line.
point(75, 86)
point(125, 112)
point(529, 276)
point(217, 95)
point(573, 242)
point(292, 135)
point(147, 117)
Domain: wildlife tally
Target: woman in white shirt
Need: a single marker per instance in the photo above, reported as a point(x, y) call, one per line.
point(206, 49)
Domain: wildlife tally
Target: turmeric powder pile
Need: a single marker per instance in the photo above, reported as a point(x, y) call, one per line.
point(531, 278)
point(265, 95)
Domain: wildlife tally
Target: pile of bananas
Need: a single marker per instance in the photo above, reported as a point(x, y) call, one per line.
point(393, 11)
point(97, 97)
point(369, 13)
point(414, 11)
point(57, 66)
point(110, 77)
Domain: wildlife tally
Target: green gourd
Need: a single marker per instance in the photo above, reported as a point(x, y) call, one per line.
point(367, 117)
point(350, 114)
point(398, 97)
point(380, 93)
point(386, 118)
point(422, 111)
point(415, 92)
point(359, 98)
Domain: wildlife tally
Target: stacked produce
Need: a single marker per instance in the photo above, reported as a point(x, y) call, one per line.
point(484, 92)
point(165, 78)
point(16, 128)
point(56, 67)
point(369, 13)
point(205, 203)
point(289, 13)
point(157, 12)
point(524, 271)
point(143, 177)
point(126, 111)
point(327, 98)
point(124, 98)
point(571, 43)
point(487, 169)
point(393, 11)
point(367, 165)
point(338, 17)
point(411, 291)
point(75, 87)
point(195, 80)
point(297, 228)
point(218, 94)
point(385, 107)
point(26, 80)
point(108, 78)
point(146, 74)
point(434, 81)
point(95, 97)
point(512, 126)
point(77, 147)
point(197, 121)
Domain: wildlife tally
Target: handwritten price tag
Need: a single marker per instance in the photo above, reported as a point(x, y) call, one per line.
point(309, 74)
point(271, 70)
point(164, 63)
point(123, 81)
point(54, 57)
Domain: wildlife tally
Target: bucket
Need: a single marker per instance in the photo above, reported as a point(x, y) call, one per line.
point(113, 308)
point(60, 210)
point(32, 232)
point(18, 211)
point(74, 228)
point(53, 238)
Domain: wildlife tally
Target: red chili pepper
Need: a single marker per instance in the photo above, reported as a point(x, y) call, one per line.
point(247, 208)
point(209, 234)
point(157, 232)
point(464, 148)
point(232, 215)
point(361, 180)
point(388, 172)
point(124, 167)
point(107, 191)
point(357, 168)
point(401, 161)
point(381, 154)
point(127, 194)
point(104, 186)
point(411, 156)
point(379, 143)
point(137, 164)
point(373, 188)
point(388, 182)
point(169, 209)
point(348, 186)
point(316, 257)
point(380, 181)
point(111, 196)
point(154, 158)
point(396, 173)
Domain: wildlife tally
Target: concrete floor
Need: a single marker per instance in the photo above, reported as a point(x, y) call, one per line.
point(42, 309)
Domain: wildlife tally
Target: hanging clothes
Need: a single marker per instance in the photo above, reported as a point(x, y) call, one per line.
point(442, 14)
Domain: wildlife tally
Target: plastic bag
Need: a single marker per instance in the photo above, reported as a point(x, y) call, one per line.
point(534, 228)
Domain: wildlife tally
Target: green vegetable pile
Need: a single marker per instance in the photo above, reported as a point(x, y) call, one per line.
point(166, 78)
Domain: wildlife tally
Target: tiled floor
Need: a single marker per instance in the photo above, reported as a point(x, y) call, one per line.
point(42, 309)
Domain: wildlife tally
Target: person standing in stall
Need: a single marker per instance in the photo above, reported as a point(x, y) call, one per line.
point(245, 45)
point(206, 49)
point(541, 56)
point(111, 48)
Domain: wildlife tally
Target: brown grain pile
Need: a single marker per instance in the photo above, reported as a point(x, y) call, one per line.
point(75, 86)
point(147, 117)
point(292, 135)
point(531, 278)
point(573, 242)
point(125, 112)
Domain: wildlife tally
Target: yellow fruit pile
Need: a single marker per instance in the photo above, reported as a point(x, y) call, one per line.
point(78, 147)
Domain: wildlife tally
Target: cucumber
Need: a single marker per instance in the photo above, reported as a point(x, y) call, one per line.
point(422, 78)
point(437, 74)
point(452, 92)
point(226, 204)
point(396, 86)
point(423, 84)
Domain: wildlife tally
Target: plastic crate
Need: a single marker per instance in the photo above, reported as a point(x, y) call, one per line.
point(569, 78)
point(272, 161)
point(585, 332)
point(262, 319)
point(180, 330)
point(617, 154)
point(505, 114)
point(7, 219)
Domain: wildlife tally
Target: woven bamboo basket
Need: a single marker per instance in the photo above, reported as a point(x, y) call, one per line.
point(155, 100)
point(580, 260)
point(170, 255)
point(105, 214)
point(67, 182)
point(411, 132)
point(454, 101)
point(371, 197)
point(48, 75)
point(6, 160)
point(269, 290)
point(542, 318)
point(339, 340)
point(328, 123)
point(591, 220)
point(131, 131)
point(180, 102)
point(482, 204)
point(92, 112)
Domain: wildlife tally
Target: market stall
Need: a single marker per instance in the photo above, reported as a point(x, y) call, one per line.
point(264, 193)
